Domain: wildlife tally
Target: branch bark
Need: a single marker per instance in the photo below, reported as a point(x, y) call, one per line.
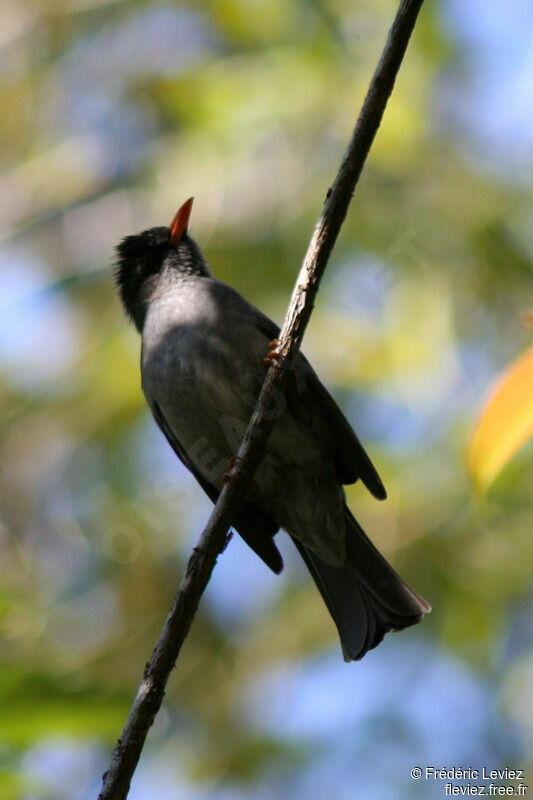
point(117, 779)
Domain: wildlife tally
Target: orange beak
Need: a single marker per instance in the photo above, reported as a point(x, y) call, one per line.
point(179, 224)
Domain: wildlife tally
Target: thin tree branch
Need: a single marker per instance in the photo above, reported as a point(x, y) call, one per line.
point(116, 781)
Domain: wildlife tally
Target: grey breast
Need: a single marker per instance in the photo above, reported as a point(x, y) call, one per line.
point(201, 363)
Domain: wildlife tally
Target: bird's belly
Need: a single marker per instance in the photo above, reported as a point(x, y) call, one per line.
point(208, 406)
point(206, 387)
point(206, 394)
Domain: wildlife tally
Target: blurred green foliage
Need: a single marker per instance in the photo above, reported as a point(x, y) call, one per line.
point(112, 114)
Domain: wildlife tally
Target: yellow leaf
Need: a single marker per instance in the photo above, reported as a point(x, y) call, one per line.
point(506, 422)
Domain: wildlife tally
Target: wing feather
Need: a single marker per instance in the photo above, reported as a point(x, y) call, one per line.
point(253, 525)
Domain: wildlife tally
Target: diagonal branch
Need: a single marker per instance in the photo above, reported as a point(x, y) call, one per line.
point(116, 781)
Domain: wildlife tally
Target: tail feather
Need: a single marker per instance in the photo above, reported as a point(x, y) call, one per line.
point(365, 597)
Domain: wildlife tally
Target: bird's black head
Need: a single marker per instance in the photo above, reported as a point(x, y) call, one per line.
point(157, 255)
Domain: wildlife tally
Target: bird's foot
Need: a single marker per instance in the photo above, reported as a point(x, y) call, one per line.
point(273, 355)
point(228, 475)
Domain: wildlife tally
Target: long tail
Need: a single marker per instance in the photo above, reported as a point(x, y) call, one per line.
point(365, 597)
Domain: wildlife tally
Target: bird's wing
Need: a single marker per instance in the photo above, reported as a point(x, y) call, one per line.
point(352, 460)
point(254, 526)
point(308, 394)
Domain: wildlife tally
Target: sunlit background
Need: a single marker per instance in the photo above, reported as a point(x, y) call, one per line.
point(113, 113)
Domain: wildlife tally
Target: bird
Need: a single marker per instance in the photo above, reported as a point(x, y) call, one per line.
point(204, 352)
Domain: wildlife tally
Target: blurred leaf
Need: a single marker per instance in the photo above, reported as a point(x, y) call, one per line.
point(245, 758)
point(506, 422)
point(12, 786)
point(38, 704)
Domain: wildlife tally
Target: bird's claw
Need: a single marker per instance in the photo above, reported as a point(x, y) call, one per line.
point(228, 475)
point(273, 354)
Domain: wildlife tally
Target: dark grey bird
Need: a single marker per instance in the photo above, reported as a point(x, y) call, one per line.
point(202, 364)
